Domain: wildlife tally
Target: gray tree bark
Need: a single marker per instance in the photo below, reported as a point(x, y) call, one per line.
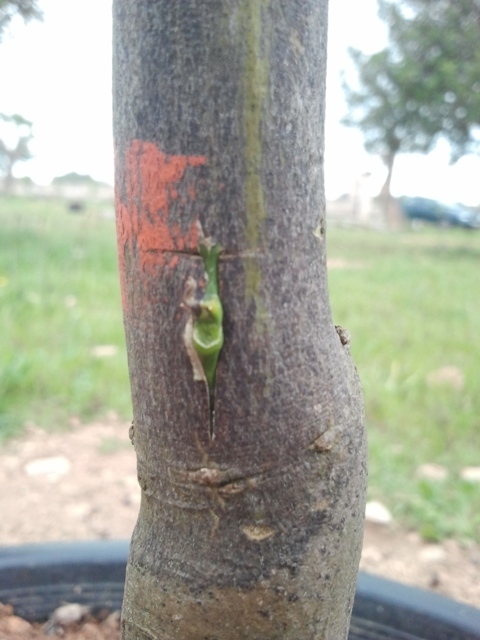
point(252, 531)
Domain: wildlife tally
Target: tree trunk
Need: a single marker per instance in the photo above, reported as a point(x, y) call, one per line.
point(251, 518)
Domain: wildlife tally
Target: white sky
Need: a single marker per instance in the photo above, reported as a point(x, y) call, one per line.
point(58, 75)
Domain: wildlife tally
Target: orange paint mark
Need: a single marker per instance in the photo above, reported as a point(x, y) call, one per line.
point(152, 181)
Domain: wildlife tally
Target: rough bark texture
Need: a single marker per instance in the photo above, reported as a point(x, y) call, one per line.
point(256, 532)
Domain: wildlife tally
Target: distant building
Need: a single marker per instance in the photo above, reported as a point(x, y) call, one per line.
point(72, 186)
point(360, 207)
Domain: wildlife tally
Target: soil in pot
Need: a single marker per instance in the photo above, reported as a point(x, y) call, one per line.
point(69, 622)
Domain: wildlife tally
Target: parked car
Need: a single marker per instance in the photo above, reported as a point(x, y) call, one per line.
point(438, 213)
point(461, 216)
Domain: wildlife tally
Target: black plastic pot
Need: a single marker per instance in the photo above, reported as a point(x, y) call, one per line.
point(36, 579)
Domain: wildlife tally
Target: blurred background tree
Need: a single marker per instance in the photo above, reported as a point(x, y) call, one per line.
point(14, 145)
point(15, 130)
point(27, 9)
point(440, 41)
point(377, 106)
point(424, 85)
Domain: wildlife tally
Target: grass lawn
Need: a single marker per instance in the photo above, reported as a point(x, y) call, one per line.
point(409, 300)
point(62, 344)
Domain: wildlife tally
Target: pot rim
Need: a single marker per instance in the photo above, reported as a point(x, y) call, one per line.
point(37, 578)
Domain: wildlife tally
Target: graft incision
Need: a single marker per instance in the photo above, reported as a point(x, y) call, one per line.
point(203, 335)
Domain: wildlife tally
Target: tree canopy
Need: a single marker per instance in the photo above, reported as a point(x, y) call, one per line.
point(378, 106)
point(27, 9)
point(439, 41)
point(424, 84)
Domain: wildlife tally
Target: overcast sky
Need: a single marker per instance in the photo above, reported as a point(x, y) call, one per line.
point(58, 74)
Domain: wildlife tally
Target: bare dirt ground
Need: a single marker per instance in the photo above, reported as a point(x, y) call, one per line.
point(82, 485)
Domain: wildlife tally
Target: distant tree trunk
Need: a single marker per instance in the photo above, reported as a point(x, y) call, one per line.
point(8, 160)
point(8, 178)
point(391, 210)
point(250, 526)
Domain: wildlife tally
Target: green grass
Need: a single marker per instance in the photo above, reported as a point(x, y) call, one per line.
point(59, 298)
point(409, 300)
point(412, 306)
